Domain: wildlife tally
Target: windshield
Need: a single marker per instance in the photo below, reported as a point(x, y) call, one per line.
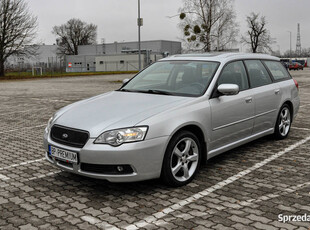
point(182, 78)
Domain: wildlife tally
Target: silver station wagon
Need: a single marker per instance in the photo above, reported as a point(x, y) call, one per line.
point(172, 116)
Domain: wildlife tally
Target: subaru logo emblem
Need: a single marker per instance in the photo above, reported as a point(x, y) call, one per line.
point(65, 136)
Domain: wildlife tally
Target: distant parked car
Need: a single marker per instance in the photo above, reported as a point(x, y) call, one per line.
point(300, 66)
point(173, 115)
point(295, 66)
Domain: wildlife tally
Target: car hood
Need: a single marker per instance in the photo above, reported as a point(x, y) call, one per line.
point(115, 110)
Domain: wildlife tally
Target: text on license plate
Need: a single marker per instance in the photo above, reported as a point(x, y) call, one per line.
point(63, 154)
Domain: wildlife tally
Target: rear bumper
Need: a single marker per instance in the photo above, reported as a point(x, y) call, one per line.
point(145, 158)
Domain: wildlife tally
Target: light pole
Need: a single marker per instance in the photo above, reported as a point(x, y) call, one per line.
point(290, 43)
point(140, 23)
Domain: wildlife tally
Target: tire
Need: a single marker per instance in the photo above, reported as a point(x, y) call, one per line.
point(283, 124)
point(182, 159)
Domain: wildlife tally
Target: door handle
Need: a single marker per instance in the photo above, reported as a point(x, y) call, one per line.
point(277, 91)
point(248, 99)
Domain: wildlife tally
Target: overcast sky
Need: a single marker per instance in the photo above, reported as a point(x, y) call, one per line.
point(117, 19)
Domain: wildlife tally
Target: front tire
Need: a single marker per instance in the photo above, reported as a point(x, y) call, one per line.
point(182, 159)
point(283, 124)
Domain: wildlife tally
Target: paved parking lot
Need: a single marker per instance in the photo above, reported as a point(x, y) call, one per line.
point(246, 188)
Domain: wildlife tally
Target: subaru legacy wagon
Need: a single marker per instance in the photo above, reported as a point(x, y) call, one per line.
point(172, 116)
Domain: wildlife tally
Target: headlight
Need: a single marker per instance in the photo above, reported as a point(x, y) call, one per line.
point(120, 136)
point(47, 129)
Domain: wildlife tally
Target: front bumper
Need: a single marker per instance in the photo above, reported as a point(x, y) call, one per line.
point(144, 157)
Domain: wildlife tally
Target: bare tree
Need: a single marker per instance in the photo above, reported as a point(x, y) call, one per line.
point(258, 37)
point(209, 24)
point(74, 33)
point(17, 30)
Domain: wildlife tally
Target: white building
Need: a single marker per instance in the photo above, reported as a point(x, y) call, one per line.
point(120, 56)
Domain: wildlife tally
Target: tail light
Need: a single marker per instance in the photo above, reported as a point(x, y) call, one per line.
point(296, 83)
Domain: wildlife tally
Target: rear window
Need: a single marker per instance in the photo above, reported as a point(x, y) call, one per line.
point(277, 70)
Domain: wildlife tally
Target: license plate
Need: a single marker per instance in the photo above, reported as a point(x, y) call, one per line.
point(63, 154)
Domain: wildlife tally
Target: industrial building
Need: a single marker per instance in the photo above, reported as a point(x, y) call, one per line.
point(120, 56)
point(117, 56)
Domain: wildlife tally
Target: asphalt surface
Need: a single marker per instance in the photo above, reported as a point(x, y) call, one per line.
point(246, 188)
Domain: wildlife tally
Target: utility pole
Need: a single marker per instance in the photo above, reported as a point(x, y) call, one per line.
point(140, 23)
point(298, 43)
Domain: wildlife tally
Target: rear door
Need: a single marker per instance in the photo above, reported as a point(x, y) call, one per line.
point(232, 116)
point(266, 96)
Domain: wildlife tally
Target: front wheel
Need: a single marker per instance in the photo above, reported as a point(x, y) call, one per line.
point(283, 124)
point(182, 159)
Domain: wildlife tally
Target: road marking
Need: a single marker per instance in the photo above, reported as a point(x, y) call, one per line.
point(13, 130)
point(304, 105)
point(6, 184)
point(3, 177)
point(22, 163)
point(305, 129)
point(22, 111)
point(99, 223)
point(38, 99)
point(158, 215)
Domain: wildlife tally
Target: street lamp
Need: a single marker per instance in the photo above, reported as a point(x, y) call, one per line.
point(140, 23)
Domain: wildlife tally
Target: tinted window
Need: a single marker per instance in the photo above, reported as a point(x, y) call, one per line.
point(277, 70)
point(234, 73)
point(257, 73)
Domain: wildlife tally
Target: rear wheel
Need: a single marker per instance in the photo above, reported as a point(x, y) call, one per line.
point(283, 124)
point(182, 159)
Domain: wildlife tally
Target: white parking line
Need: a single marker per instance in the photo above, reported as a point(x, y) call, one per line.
point(22, 111)
point(154, 217)
point(22, 164)
point(305, 129)
point(6, 184)
point(3, 177)
point(38, 99)
point(304, 105)
point(31, 127)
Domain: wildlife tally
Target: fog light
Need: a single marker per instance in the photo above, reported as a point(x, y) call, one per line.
point(120, 168)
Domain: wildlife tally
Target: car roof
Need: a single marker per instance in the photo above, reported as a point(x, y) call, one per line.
point(219, 57)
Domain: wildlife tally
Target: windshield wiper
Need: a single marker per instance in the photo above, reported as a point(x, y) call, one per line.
point(156, 91)
point(125, 90)
point(152, 91)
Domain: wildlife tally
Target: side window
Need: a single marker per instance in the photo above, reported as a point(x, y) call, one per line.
point(234, 73)
point(257, 73)
point(277, 70)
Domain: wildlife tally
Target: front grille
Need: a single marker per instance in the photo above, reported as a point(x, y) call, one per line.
point(106, 169)
point(69, 136)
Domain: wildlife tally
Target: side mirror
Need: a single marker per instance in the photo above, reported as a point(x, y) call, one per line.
point(125, 81)
point(228, 89)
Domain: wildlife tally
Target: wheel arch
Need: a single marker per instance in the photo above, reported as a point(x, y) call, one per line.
point(291, 107)
point(195, 129)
